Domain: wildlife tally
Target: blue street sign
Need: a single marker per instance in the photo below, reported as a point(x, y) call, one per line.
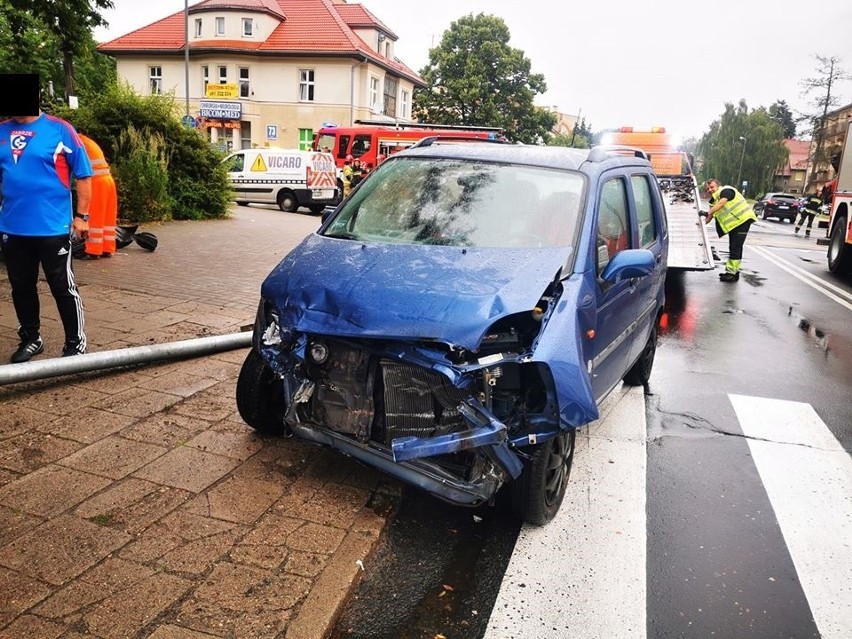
point(189, 121)
point(271, 132)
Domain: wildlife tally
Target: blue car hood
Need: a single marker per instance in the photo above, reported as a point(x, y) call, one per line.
point(347, 288)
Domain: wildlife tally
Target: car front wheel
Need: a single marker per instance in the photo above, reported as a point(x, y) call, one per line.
point(538, 493)
point(260, 397)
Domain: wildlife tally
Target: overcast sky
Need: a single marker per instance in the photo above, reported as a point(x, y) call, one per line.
point(622, 62)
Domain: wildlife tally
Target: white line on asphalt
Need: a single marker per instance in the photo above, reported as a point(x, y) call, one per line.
point(810, 279)
point(808, 478)
point(584, 573)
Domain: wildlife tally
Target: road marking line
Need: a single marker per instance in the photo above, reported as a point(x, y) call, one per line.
point(810, 279)
point(808, 477)
point(585, 571)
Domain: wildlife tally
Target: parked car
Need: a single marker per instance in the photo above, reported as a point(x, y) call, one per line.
point(782, 206)
point(462, 313)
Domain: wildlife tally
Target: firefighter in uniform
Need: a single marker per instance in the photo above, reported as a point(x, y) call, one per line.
point(103, 211)
point(809, 210)
point(734, 216)
point(347, 175)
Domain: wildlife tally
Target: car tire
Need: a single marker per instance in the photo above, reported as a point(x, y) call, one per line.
point(839, 254)
point(538, 493)
point(640, 373)
point(316, 209)
point(260, 398)
point(287, 201)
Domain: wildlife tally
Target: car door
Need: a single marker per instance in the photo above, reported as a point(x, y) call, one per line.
point(651, 233)
point(615, 231)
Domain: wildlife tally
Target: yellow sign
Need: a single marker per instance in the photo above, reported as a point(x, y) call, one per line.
point(259, 164)
point(231, 90)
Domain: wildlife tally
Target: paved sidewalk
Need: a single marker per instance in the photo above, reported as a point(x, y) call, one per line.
point(135, 503)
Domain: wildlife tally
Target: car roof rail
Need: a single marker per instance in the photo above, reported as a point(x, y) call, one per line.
point(602, 152)
point(430, 140)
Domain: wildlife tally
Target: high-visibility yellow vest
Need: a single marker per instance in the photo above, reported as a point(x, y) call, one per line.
point(735, 211)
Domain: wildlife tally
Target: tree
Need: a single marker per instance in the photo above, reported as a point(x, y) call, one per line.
point(822, 90)
point(475, 78)
point(69, 21)
point(743, 146)
point(781, 113)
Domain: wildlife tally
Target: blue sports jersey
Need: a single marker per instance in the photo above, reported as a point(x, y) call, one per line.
point(37, 161)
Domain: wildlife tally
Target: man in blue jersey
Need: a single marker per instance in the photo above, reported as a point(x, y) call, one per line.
point(39, 156)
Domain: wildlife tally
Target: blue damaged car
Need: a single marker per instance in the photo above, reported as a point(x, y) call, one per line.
point(462, 313)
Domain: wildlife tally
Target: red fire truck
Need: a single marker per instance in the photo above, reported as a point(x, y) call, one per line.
point(368, 139)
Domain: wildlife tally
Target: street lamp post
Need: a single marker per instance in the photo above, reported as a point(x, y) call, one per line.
point(186, 52)
point(742, 157)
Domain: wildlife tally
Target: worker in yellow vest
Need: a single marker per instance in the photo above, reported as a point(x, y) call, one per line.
point(103, 212)
point(734, 216)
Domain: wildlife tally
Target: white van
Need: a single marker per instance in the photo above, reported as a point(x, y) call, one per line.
point(289, 178)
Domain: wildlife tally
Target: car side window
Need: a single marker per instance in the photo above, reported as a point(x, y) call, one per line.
point(237, 163)
point(645, 218)
point(613, 230)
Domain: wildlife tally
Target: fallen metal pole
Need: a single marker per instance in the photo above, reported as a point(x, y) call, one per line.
point(11, 373)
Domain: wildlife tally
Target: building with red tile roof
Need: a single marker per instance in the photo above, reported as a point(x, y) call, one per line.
point(791, 178)
point(270, 72)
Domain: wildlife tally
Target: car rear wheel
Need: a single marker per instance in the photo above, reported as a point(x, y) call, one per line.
point(839, 254)
point(538, 493)
point(640, 373)
point(260, 398)
point(287, 201)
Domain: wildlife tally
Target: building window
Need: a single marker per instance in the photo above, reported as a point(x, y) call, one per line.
point(403, 104)
point(198, 27)
point(220, 26)
point(244, 82)
point(390, 97)
point(205, 79)
point(156, 76)
point(248, 27)
point(223, 75)
point(306, 85)
point(374, 94)
point(306, 139)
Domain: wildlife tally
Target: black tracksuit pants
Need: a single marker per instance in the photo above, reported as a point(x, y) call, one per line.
point(23, 257)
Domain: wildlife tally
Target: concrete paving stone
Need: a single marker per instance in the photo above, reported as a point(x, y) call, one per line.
point(62, 396)
point(137, 402)
point(51, 490)
point(237, 499)
point(187, 468)
point(7, 476)
point(150, 544)
point(170, 631)
point(114, 380)
point(165, 429)
point(196, 557)
point(122, 614)
point(243, 600)
point(18, 593)
point(306, 564)
point(236, 356)
point(316, 538)
point(213, 404)
point(218, 369)
point(61, 548)
point(132, 505)
point(13, 523)
point(178, 382)
point(174, 333)
point(113, 457)
point(32, 450)
point(190, 526)
point(239, 445)
point(333, 505)
point(32, 627)
point(264, 556)
point(16, 418)
point(110, 576)
point(87, 425)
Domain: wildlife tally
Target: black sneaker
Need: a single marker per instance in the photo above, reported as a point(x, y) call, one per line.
point(729, 277)
point(70, 350)
point(27, 349)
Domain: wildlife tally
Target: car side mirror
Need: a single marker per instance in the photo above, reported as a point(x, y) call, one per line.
point(326, 213)
point(629, 264)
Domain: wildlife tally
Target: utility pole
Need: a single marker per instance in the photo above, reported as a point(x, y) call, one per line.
point(576, 123)
point(742, 157)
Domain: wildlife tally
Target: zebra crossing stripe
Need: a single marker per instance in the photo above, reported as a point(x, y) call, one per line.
point(808, 477)
point(586, 568)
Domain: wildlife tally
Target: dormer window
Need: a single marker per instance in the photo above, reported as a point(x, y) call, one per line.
point(248, 27)
point(220, 26)
point(198, 27)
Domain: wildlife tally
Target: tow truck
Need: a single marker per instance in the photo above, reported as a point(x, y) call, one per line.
point(689, 248)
